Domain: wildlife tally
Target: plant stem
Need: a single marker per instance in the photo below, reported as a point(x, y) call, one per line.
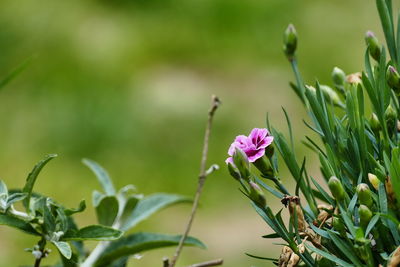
point(216, 262)
point(95, 254)
point(202, 178)
point(299, 80)
point(42, 245)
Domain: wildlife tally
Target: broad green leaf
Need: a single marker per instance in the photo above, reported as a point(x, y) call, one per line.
point(3, 196)
point(130, 205)
point(107, 210)
point(122, 262)
point(71, 262)
point(3, 188)
point(140, 242)
point(94, 232)
point(62, 219)
point(15, 197)
point(80, 208)
point(30, 181)
point(17, 223)
point(150, 205)
point(101, 175)
point(64, 248)
point(97, 197)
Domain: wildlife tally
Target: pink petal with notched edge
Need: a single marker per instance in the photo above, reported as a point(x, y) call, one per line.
point(229, 160)
point(240, 142)
point(254, 145)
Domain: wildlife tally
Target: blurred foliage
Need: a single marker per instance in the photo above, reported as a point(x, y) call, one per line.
point(127, 83)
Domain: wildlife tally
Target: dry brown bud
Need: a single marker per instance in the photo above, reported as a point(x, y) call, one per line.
point(395, 259)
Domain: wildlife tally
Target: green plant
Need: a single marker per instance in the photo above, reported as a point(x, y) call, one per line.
point(117, 212)
point(357, 223)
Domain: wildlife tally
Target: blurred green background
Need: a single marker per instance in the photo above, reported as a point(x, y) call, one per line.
point(128, 84)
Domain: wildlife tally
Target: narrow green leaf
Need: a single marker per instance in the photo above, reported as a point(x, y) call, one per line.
point(353, 203)
point(269, 189)
point(344, 248)
point(262, 258)
point(387, 26)
point(101, 175)
point(140, 242)
point(383, 204)
point(30, 181)
point(274, 235)
point(348, 221)
point(394, 172)
point(326, 196)
point(150, 205)
point(12, 74)
point(371, 224)
point(329, 256)
point(94, 232)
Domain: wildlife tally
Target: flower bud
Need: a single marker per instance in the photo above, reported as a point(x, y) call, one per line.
point(361, 249)
point(393, 79)
point(264, 167)
point(364, 195)
point(374, 123)
point(233, 172)
point(365, 216)
point(269, 151)
point(373, 45)
point(324, 262)
point(338, 226)
point(242, 163)
point(290, 41)
point(391, 117)
point(257, 195)
point(338, 77)
point(394, 260)
point(330, 94)
point(311, 89)
point(336, 188)
point(373, 179)
point(354, 78)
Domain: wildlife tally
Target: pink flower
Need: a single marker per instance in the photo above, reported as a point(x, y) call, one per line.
point(253, 145)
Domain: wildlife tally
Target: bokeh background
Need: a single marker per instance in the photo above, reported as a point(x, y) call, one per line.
point(128, 83)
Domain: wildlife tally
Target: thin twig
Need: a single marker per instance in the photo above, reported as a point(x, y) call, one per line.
point(202, 178)
point(216, 262)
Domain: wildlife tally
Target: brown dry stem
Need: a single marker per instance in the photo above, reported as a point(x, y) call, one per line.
point(202, 178)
